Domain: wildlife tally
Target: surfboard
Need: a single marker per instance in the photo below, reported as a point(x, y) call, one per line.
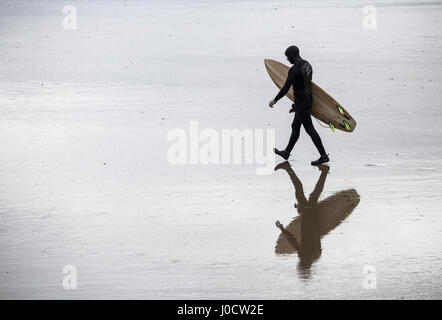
point(324, 108)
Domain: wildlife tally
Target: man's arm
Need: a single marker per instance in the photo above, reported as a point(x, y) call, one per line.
point(285, 88)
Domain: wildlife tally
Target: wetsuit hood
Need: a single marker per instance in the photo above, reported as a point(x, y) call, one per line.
point(292, 53)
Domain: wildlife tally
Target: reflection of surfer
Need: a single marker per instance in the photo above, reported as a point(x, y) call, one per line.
point(300, 77)
point(303, 235)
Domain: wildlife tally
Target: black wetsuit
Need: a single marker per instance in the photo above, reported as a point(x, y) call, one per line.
point(300, 76)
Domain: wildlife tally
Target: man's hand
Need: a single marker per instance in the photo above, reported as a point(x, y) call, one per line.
point(271, 103)
point(293, 108)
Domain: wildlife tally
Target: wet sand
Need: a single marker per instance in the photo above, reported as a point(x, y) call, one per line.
point(84, 117)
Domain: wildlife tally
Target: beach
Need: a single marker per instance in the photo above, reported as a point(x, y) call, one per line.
point(86, 182)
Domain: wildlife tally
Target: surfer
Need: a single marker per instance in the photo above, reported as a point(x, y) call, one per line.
point(300, 77)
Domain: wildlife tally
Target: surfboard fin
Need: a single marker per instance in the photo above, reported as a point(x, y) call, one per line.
point(332, 127)
point(347, 126)
point(340, 109)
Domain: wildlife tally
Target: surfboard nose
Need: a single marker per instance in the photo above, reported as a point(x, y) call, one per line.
point(270, 62)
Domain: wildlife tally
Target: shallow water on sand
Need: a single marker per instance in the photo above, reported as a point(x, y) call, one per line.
point(85, 179)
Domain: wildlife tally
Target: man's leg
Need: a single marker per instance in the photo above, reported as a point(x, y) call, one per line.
point(296, 129)
point(306, 119)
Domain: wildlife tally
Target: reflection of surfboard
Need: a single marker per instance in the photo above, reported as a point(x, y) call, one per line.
point(324, 107)
point(333, 210)
point(325, 216)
